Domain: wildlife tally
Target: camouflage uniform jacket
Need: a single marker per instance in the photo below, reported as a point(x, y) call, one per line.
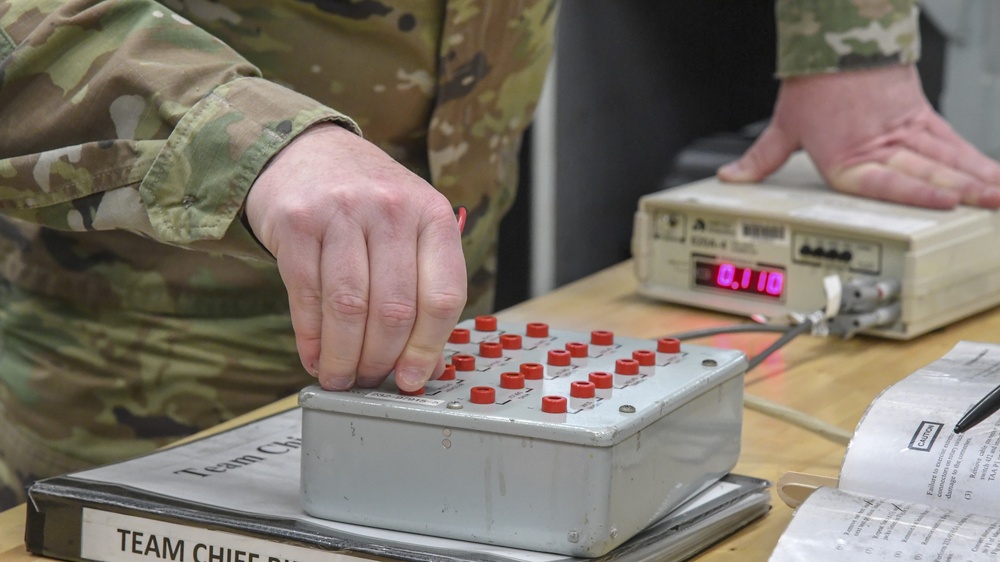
point(129, 135)
point(134, 306)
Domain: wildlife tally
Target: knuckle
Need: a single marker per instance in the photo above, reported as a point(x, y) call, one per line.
point(391, 205)
point(346, 305)
point(308, 299)
point(444, 305)
point(297, 216)
point(397, 314)
point(440, 208)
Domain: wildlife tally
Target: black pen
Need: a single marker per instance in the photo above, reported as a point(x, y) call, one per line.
point(982, 410)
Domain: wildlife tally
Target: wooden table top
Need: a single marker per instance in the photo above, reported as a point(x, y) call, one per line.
point(829, 378)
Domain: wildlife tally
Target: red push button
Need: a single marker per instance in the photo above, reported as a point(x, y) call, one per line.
point(602, 379)
point(559, 358)
point(577, 349)
point(448, 374)
point(512, 381)
point(490, 349)
point(645, 357)
point(416, 392)
point(581, 389)
point(533, 371)
point(627, 367)
point(554, 404)
point(463, 362)
point(602, 337)
point(482, 395)
point(537, 330)
point(668, 345)
point(459, 335)
point(510, 341)
point(486, 323)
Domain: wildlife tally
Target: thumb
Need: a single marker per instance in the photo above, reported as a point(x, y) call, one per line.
point(771, 149)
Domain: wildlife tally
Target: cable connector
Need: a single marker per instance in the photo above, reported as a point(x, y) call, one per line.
point(848, 324)
point(866, 294)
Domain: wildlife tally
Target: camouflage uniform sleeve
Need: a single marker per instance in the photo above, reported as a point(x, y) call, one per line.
point(816, 36)
point(126, 116)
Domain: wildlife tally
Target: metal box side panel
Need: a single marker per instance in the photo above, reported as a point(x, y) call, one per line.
point(517, 491)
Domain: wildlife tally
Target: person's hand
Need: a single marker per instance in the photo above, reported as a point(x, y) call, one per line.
point(872, 133)
point(371, 256)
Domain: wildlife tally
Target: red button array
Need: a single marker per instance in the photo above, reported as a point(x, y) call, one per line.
point(555, 358)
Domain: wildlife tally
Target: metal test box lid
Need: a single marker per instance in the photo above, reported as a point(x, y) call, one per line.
point(635, 401)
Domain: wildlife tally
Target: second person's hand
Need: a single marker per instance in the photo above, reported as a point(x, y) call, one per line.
point(874, 134)
point(370, 254)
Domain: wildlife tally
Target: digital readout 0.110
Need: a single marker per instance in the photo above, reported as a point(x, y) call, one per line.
point(765, 282)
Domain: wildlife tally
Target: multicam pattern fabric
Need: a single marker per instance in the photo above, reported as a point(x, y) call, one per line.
point(134, 306)
point(816, 36)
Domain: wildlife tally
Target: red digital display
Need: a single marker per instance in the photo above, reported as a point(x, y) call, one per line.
point(766, 282)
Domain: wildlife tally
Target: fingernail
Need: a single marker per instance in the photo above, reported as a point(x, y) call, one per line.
point(413, 376)
point(336, 384)
point(313, 370)
point(731, 169)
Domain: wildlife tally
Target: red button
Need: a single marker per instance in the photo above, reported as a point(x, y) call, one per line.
point(627, 367)
point(537, 330)
point(490, 349)
point(645, 357)
point(581, 389)
point(510, 341)
point(602, 379)
point(448, 374)
point(559, 357)
point(416, 392)
point(463, 362)
point(577, 349)
point(602, 337)
point(554, 404)
point(668, 345)
point(486, 323)
point(459, 335)
point(533, 371)
point(512, 381)
point(482, 395)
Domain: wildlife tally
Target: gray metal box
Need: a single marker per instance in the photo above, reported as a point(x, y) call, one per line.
point(578, 483)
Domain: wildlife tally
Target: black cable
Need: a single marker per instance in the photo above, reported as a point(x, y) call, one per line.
point(734, 329)
point(788, 336)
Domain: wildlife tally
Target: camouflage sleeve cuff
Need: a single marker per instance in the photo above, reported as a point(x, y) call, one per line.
point(819, 36)
point(196, 187)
